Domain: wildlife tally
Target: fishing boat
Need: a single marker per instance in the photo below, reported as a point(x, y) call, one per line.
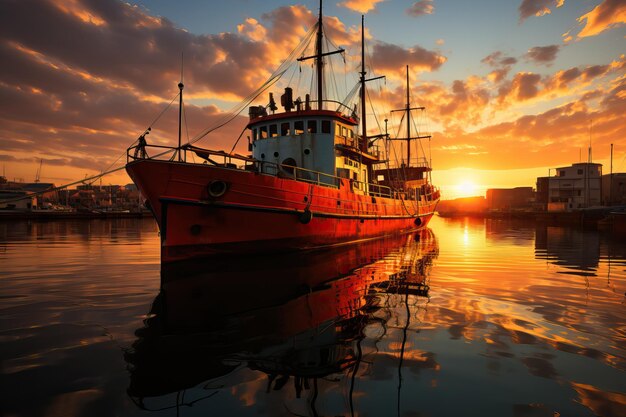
point(314, 177)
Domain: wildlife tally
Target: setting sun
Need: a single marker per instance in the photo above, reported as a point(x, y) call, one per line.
point(466, 189)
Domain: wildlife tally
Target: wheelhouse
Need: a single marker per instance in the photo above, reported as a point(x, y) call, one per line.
point(322, 141)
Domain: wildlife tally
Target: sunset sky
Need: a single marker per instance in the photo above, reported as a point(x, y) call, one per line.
point(512, 88)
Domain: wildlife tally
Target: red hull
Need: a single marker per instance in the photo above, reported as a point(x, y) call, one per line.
point(261, 213)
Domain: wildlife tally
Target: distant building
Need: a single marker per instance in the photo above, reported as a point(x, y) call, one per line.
point(462, 206)
point(575, 187)
point(510, 198)
point(43, 192)
point(17, 200)
point(542, 194)
point(614, 189)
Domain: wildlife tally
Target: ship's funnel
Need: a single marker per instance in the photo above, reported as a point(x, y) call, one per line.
point(286, 100)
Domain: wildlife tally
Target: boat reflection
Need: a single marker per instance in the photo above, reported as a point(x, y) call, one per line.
point(297, 319)
point(578, 251)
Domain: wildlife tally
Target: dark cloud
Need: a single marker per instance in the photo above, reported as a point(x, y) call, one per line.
point(130, 48)
point(500, 74)
point(466, 100)
point(420, 8)
point(388, 57)
point(498, 59)
point(524, 86)
point(543, 54)
point(530, 8)
point(82, 79)
point(502, 65)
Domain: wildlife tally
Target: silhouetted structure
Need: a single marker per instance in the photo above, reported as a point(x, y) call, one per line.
point(510, 198)
point(614, 189)
point(575, 187)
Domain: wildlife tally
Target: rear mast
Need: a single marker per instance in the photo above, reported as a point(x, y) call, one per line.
point(407, 109)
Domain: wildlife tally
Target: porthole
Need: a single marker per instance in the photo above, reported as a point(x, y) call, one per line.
point(307, 151)
point(276, 154)
point(217, 188)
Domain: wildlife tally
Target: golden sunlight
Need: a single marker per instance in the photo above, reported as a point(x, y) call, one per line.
point(467, 188)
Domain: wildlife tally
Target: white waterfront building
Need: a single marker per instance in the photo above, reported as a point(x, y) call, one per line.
point(575, 187)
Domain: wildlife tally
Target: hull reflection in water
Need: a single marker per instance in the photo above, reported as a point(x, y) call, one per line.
point(297, 319)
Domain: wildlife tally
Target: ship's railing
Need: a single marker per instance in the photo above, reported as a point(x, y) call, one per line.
point(299, 105)
point(185, 154)
point(320, 178)
point(378, 190)
point(298, 173)
point(420, 162)
point(373, 150)
point(240, 162)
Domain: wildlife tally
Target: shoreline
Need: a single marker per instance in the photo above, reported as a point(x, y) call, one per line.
point(602, 220)
point(63, 215)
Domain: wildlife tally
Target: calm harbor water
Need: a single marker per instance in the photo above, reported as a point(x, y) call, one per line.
point(469, 318)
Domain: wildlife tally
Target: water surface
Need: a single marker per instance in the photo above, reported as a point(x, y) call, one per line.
point(472, 317)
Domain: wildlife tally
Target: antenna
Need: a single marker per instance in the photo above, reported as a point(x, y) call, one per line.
point(611, 179)
point(180, 106)
point(590, 126)
point(38, 172)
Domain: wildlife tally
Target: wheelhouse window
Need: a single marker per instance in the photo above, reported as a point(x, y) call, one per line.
point(263, 132)
point(343, 173)
point(298, 127)
point(325, 126)
point(311, 126)
point(255, 133)
point(284, 129)
point(273, 131)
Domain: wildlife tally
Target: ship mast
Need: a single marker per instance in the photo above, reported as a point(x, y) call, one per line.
point(408, 109)
point(319, 62)
point(180, 108)
point(408, 119)
point(319, 59)
point(363, 80)
point(363, 72)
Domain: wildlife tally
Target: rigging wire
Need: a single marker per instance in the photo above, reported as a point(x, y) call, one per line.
point(276, 75)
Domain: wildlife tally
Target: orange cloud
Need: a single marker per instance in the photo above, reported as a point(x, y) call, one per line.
point(501, 63)
point(554, 135)
point(361, 6)
point(252, 29)
point(606, 15)
point(390, 58)
point(79, 90)
point(75, 8)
